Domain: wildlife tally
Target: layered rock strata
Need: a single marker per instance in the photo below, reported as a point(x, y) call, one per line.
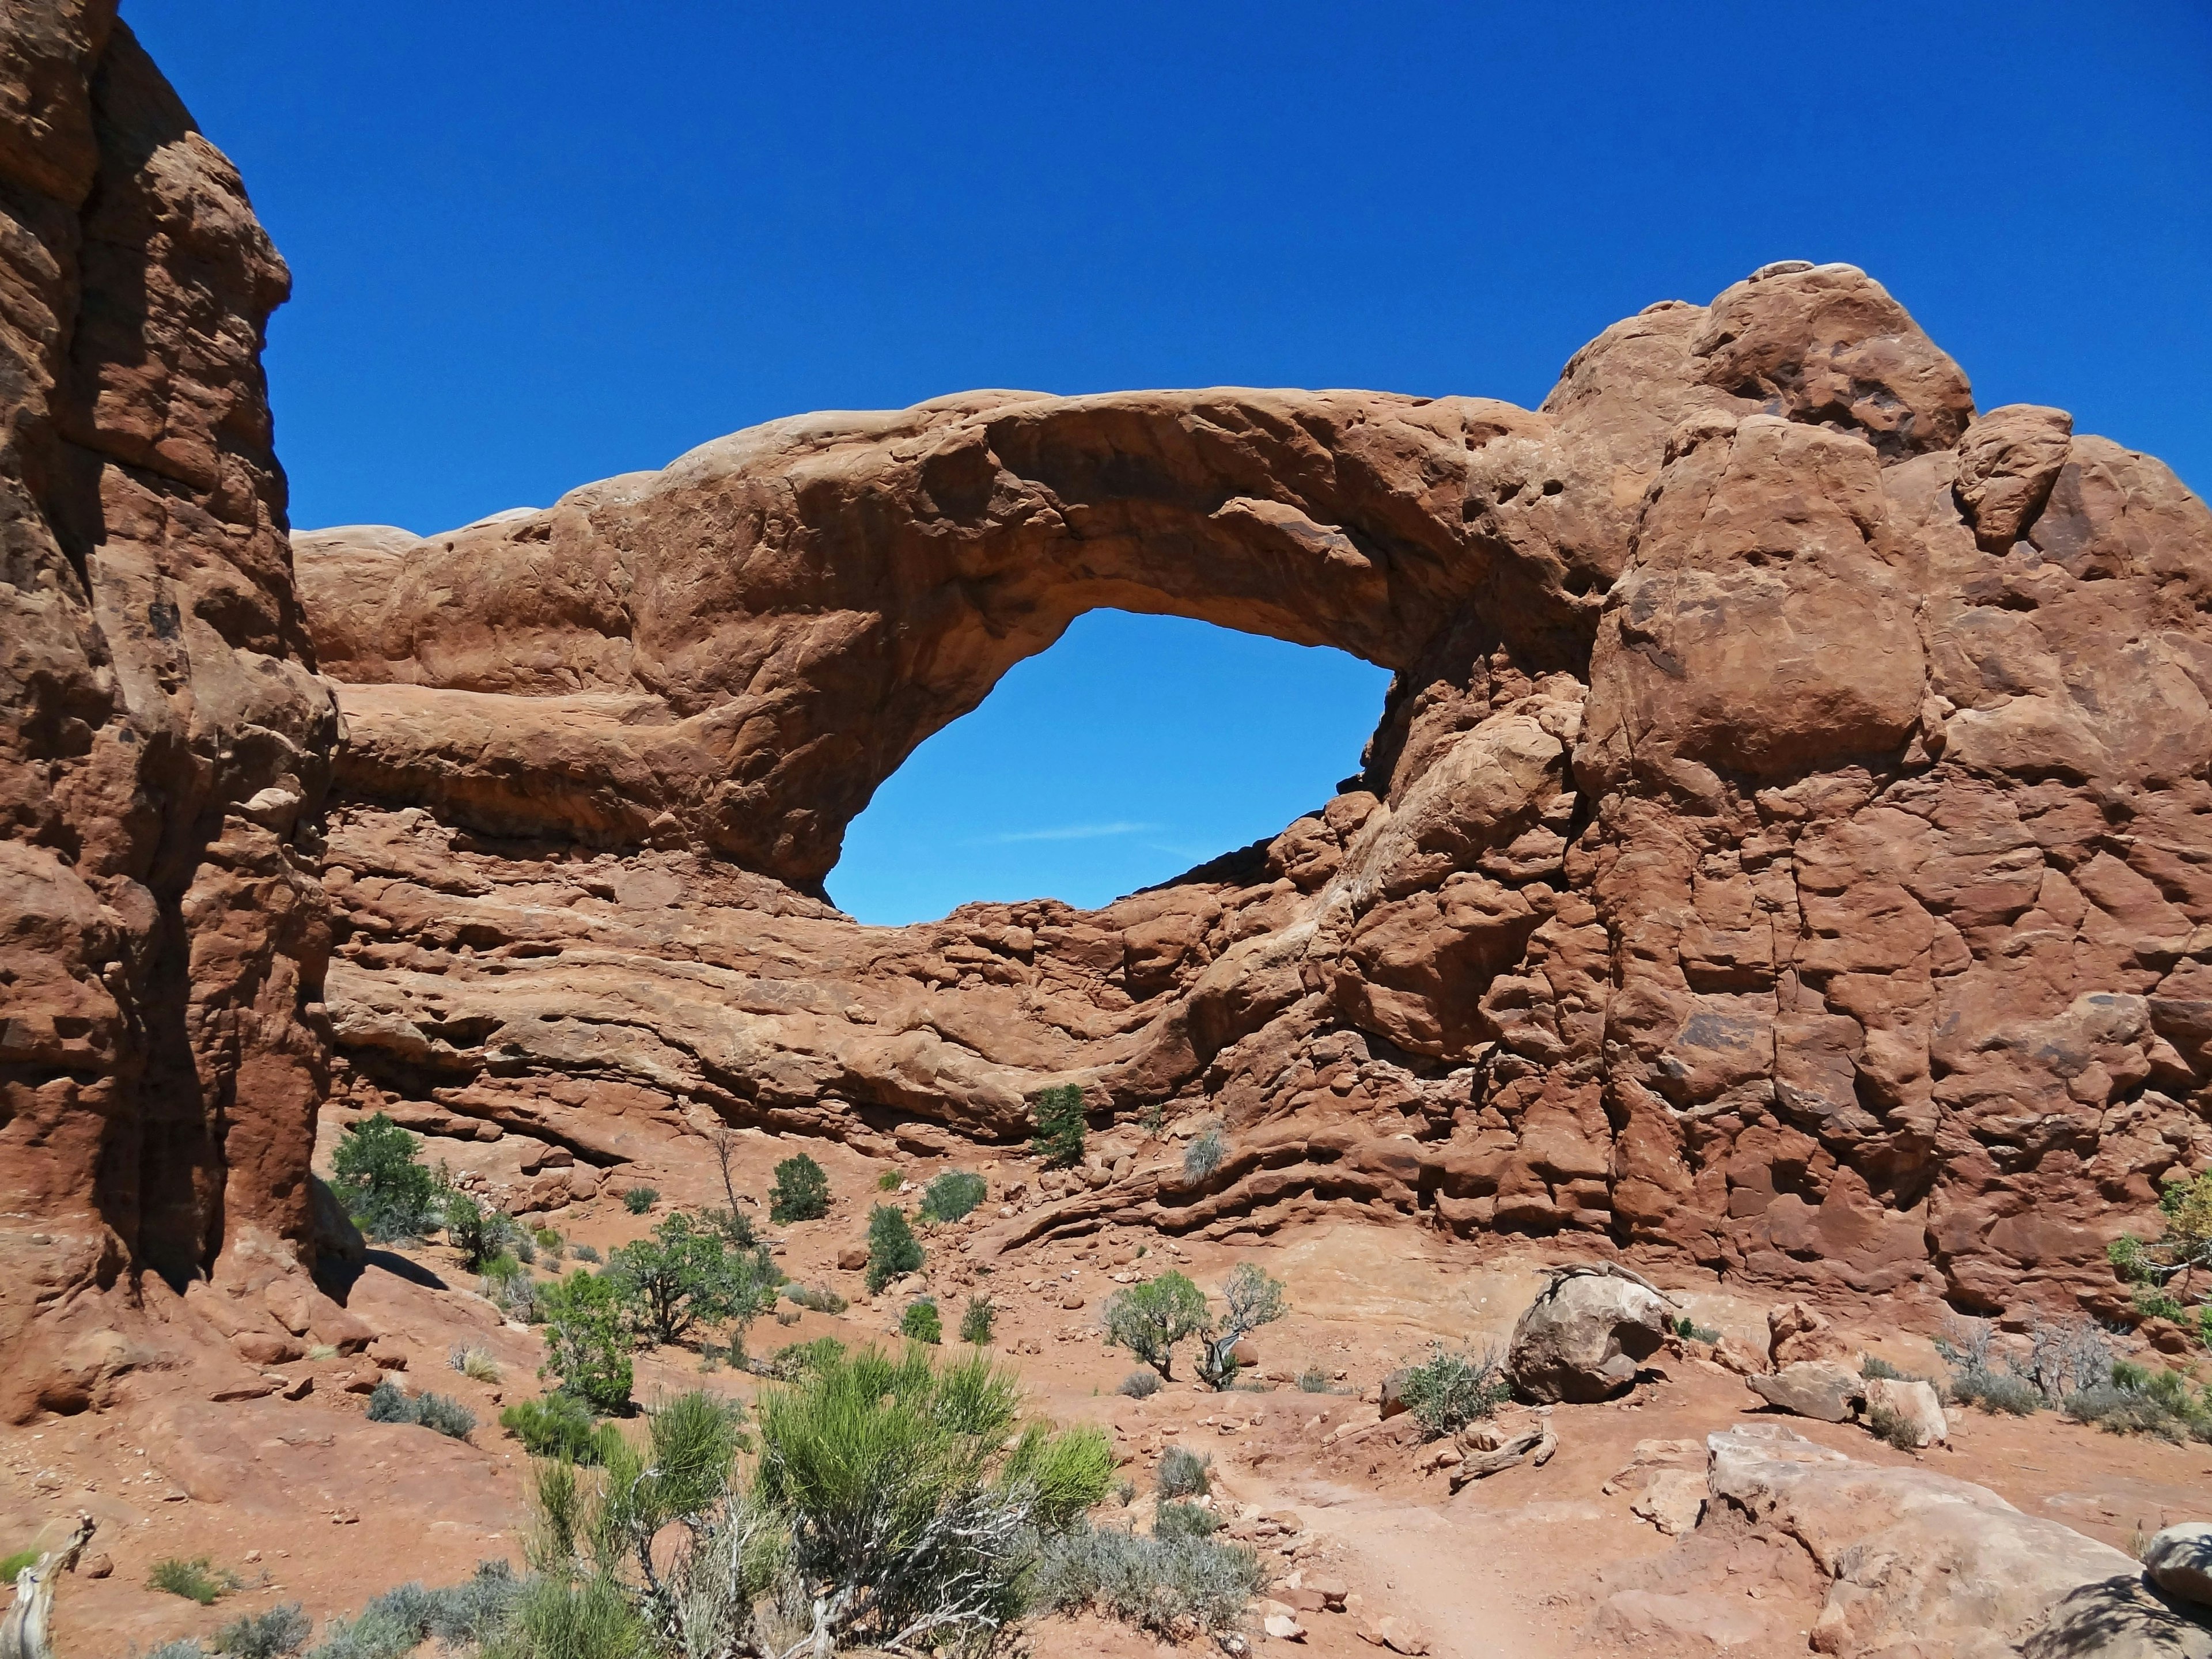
point(164, 741)
point(1784, 843)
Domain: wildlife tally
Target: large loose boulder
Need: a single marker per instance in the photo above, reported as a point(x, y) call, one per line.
point(2180, 1561)
point(1812, 1387)
point(1912, 1407)
point(1586, 1336)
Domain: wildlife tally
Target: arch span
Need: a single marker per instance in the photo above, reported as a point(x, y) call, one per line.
point(1781, 844)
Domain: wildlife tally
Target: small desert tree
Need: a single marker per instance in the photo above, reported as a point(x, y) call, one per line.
point(378, 1174)
point(587, 1341)
point(686, 1275)
point(1150, 1319)
point(2170, 1271)
point(1059, 1125)
point(892, 1247)
point(1251, 1299)
point(801, 1192)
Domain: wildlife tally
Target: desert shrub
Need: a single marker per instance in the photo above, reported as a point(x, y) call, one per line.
point(1151, 1319)
point(477, 1230)
point(1140, 1385)
point(1314, 1380)
point(638, 1200)
point(892, 1247)
point(507, 1285)
point(1060, 1125)
point(817, 1297)
point(1184, 1474)
point(394, 1625)
point(951, 1196)
point(584, 1252)
point(1998, 1392)
point(1873, 1366)
point(1155, 1584)
point(2139, 1399)
point(1969, 1345)
point(548, 1238)
point(2170, 1271)
point(893, 1504)
point(377, 1173)
point(390, 1403)
point(1251, 1298)
point(1184, 1520)
point(197, 1580)
point(477, 1364)
point(2067, 1355)
point(1203, 1156)
point(184, 1647)
point(10, 1565)
point(272, 1635)
point(920, 1322)
point(685, 1276)
point(587, 1341)
point(799, 1359)
point(1451, 1389)
point(1887, 1423)
point(559, 1426)
point(1690, 1331)
point(735, 1226)
point(977, 1319)
point(889, 1181)
point(801, 1192)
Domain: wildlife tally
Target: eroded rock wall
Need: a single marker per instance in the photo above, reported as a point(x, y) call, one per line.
point(164, 743)
point(1782, 842)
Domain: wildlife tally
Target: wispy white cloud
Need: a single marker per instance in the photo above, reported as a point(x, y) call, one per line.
point(1065, 832)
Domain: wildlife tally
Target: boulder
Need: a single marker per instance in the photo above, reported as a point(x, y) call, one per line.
point(1916, 1562)
point(1812, 1387)
point(1795, 1332)
point(2121, 1618)
point(1914, 1404)
point(1586, 1336)
point(2179, 1559)
point(851, 1258)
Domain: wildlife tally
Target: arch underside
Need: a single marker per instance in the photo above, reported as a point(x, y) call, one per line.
point(1767, 852)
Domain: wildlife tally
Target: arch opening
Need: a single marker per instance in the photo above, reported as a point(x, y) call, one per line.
point(1135, 747)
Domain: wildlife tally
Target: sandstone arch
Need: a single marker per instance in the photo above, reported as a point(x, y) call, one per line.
point(1753, 709)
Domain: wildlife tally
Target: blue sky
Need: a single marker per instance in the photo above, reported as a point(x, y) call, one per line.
point(537, 244)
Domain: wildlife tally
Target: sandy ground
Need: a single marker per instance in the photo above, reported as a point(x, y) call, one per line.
point(307, 1501)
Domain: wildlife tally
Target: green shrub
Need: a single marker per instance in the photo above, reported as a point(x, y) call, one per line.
point(638, 1200)
point(197, 1580)
point(1140, 1385)
point(272, 1635)
point(977, 1319)
point(799, 1359)
point(474, 1614)
point(889, 1181)
point(559, 1426)
point(587, 1341)
point(377, 1175)
point(2180, 1257)
point(1154, 1583)
point(1184, 1520)
point(477, 1232)
point(1449, 1390)
point(390, 1403)
point(818, 1298)
point(892, 1247)
point(1997, 1392)
point(1887, 1423)
point(2138, 1399)
point(920, 1322)
point(1690, 1331)
point(801, 1192)
point(736, 1226)
point(1184, 1474)
point(10, 1565)
point(1203, 1156)
point(951, 1196)
point(507, 1285)
point(1150, 1319)
point(1060, 1125)
point(682, 1276)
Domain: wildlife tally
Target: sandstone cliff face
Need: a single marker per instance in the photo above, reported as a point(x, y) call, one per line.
point(164, 743)
point(1784, 842)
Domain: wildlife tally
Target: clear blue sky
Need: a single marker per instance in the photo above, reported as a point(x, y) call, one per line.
point(536, 244)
